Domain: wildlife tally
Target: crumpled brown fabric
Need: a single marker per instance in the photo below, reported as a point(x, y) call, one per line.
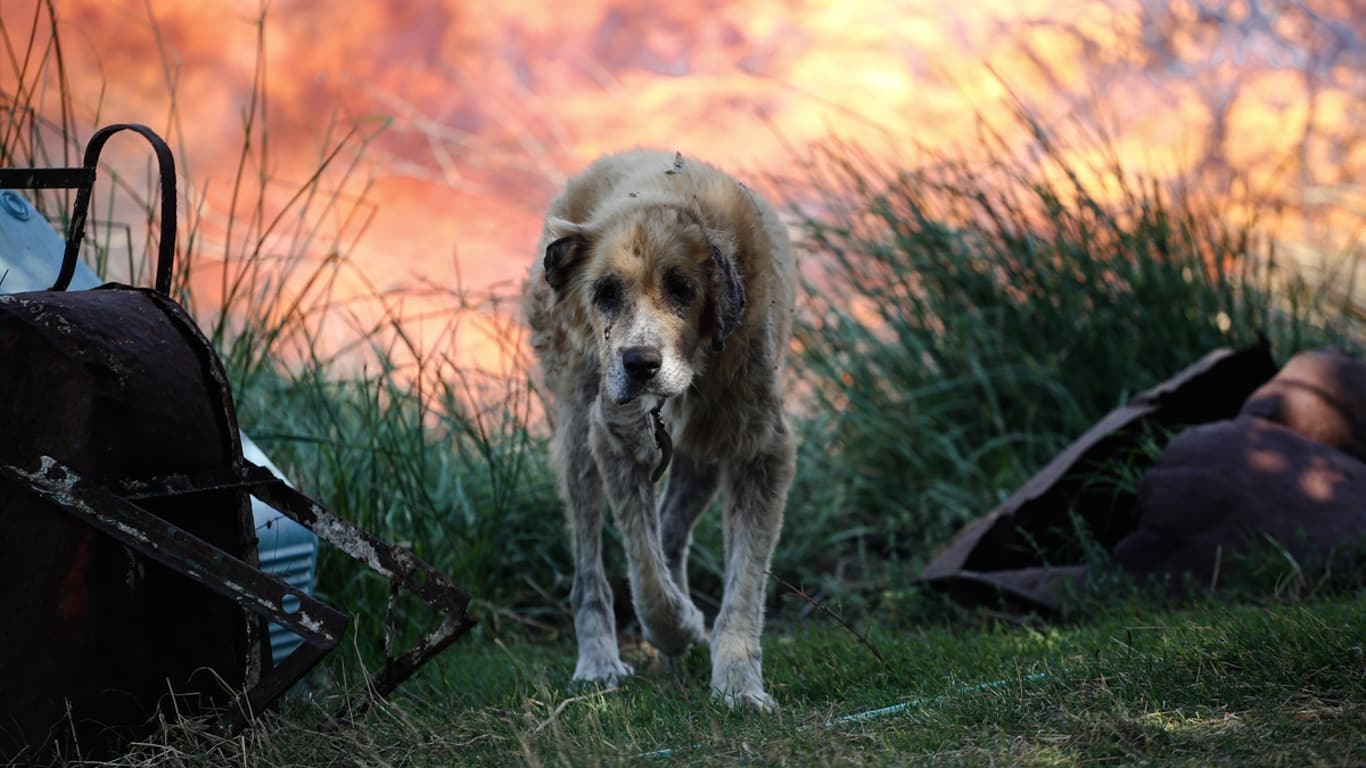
point(1265, 456)
point(1241, 487)
point(1320, 394)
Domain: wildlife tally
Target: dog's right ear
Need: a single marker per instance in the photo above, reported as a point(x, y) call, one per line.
point(725, 300)
point(565, 253)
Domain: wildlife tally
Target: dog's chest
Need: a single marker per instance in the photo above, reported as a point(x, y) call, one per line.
point(702, 427)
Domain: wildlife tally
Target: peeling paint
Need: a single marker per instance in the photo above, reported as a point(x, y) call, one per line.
point(310, 622)
point(349, 539)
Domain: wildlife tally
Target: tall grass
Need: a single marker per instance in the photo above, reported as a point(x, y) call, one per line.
point(971, 317)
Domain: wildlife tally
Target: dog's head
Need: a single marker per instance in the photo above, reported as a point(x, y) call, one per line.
point(657, 284)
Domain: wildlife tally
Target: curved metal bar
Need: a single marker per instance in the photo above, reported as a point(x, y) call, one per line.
point(166, 242)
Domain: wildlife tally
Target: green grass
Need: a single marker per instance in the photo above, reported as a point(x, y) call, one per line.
point(969, 320)
point(1216, 684)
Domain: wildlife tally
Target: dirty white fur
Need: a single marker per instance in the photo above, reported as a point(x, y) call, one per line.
point(675, 372)
point(648, 251)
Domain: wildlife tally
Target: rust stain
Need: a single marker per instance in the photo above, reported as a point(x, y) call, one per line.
point(74, 601)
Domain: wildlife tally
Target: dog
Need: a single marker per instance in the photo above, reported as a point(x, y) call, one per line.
point(660, 306)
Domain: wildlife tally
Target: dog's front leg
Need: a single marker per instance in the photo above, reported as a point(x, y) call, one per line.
point(595, 625)
point(692, 483)
point(622, 441)
point(756, 492)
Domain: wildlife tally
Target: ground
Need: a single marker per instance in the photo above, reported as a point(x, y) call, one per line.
point(1279, 683)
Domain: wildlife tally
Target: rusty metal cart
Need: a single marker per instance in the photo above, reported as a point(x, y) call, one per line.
point(127, 551)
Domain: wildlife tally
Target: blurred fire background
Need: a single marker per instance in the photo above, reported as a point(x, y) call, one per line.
point(465, 118)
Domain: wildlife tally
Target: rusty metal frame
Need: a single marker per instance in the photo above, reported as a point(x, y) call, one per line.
point(82, 179)
point(401, 567)
point(320, 625)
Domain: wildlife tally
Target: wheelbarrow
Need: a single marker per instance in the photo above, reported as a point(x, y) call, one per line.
point(129, 558)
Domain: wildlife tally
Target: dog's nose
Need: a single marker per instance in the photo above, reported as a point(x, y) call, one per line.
point(641, 363)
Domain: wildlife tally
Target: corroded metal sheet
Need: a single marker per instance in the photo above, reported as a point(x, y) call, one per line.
point(109, 383)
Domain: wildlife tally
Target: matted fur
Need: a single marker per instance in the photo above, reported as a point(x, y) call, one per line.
point(661, 278)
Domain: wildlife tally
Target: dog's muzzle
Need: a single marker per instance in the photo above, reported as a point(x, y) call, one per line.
point(635, 373)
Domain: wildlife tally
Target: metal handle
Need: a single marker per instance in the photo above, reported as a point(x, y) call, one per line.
point(166, 243)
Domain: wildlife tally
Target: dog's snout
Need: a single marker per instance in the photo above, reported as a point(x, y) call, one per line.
point(641, 363)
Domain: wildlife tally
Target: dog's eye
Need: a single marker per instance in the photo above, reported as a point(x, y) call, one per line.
point(679, 289)
point(607, 294)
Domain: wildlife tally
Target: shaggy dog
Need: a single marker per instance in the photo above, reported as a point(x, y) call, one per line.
point(661, 305)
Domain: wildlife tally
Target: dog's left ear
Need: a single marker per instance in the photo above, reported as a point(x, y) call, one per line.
point(725, 299)
point(564, 253)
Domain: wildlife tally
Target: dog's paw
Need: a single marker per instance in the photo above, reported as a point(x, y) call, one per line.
point(674, 630)
point(755, 701)
point(737, 677)
point(606, 672)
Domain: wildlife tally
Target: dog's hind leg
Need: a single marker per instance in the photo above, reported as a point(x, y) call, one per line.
point(692, 484)
point(622, 441)
point(595, 623)
point(756, 492)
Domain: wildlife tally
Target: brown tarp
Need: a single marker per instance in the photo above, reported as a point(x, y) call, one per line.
point(1232, 488)
point(1200, 501)
point(1321, 394)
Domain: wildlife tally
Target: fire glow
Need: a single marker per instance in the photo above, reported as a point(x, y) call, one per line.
point(490, 106)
